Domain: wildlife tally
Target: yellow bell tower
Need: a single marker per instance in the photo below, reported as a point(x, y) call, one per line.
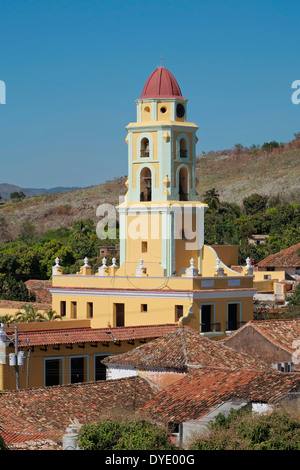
point(161, 219)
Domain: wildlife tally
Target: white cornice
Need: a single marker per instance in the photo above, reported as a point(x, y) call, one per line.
point(161, 294)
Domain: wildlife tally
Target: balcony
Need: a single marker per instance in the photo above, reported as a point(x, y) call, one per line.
point(210, 327)
point(234, 325)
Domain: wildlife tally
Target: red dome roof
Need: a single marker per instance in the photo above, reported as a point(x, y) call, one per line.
point(161, 84)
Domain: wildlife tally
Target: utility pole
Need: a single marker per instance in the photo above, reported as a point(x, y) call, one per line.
point(16, 359)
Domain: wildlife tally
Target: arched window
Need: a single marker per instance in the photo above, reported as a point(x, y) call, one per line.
point(183, 149)
point(145, 148)
point(145, 185)
point(183, 184)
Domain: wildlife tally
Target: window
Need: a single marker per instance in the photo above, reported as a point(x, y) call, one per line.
point(145, 149)
point(144, 308)
point(119, 314)
point(53, 372)
point(63, 308)
point(178, 312)
point(232, 320)
point(77, 369)
point(163, 110)
point(284, 366)
point(206, 318)
point(144, 247)
point(73, 309)
point(100, 369)
point(90, 309)
point(267, 276)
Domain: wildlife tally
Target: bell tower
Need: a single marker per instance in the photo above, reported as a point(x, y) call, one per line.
point(161, 183)
point(161, 144)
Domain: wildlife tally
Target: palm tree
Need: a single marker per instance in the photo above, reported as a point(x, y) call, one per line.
point(51, 315)
point(6, 318)
point(30, 314)
point(211, 197)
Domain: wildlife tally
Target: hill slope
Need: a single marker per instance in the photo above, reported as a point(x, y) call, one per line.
point(52, 211)
point(235, 174)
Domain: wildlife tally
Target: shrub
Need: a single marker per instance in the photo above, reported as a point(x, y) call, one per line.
point(126, 435)
point(242, 430)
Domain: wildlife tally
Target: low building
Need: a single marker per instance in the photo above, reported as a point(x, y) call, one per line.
point(287, 261)
point(257, 239)
point(57, 353)
point(192, 402)
point(167, 359)
point(38, 419)
point(276, 342)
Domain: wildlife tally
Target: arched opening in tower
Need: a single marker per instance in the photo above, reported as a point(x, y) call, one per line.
point(145, 152)
point(183, 184)
point(183, 148)
point(145, 185)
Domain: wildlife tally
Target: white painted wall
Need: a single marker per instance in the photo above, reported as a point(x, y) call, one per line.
point(116, 372)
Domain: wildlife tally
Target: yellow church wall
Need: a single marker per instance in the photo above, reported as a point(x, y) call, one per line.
point(158, 309)
point(209, 257)
point(219, 312)
point(227, 253)
point(145, 282)
point(163, 116)
point(146, 112)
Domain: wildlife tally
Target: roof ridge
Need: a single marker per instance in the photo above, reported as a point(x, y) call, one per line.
point(184, 346)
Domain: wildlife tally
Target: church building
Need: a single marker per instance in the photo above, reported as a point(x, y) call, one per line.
point(165, 274)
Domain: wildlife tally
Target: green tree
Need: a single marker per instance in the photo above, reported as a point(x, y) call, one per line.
point(12, 289)
point(242, 430)
point(255, 203)
point(28, 233)
point(49, 251)
point(212, 198)
point(17, 196)
point(294, 300)
point(127, 435)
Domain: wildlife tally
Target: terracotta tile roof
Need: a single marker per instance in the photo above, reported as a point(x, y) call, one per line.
point(41, 290)
point(283, 259)
point(87, 335)
point(45, 413)
point(200, 391)
point(284, 333)
point(182, 349)
point(14, 304)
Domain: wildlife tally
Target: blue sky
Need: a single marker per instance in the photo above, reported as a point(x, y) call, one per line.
point(74, 68)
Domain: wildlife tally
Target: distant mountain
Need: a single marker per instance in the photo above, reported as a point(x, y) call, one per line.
point(6, 190)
